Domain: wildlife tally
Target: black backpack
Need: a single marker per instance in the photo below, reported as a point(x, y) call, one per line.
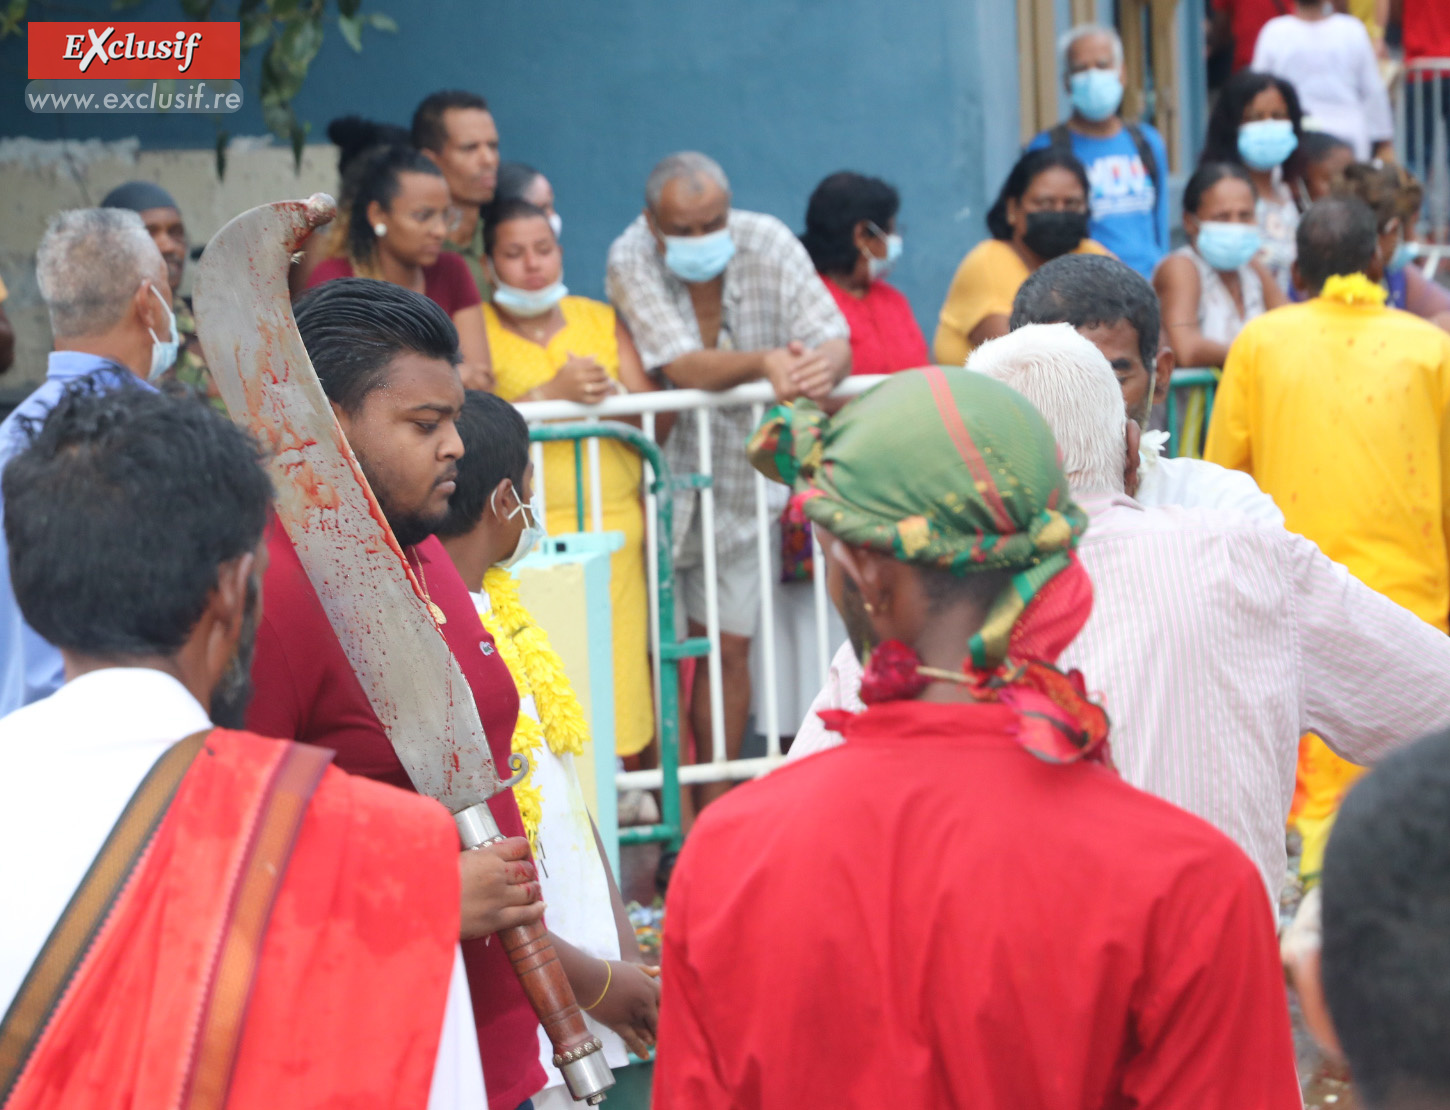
point(1060, 139)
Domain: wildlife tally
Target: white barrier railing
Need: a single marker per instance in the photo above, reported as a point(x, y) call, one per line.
point(1422, 104)
point(697, 404)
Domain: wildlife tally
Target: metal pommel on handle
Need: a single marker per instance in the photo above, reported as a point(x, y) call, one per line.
point(578, 1054)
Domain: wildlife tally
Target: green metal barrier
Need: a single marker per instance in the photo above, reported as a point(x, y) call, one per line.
point(672, 649)
point(1196, 386)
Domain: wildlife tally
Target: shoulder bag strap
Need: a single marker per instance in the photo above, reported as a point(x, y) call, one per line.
point(73, 934)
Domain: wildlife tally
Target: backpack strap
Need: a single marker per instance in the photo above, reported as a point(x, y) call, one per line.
point(1155, 172)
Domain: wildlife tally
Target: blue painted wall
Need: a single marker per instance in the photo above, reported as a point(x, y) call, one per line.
point(593, 92)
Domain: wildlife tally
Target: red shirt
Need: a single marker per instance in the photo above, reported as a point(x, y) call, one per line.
point(1246, 18)
point(1426, 28)
point(304, 689)
point(447, 282)
point(930, 915)
point(885, 337)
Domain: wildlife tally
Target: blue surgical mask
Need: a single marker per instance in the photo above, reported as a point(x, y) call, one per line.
point(529, 302)
point(1404, 254)
point(696, 258)
point(163, 351)
point(879, 267)
point(1266, 143)
point(533, 531)
point(1096, 93)
point(1226, 246)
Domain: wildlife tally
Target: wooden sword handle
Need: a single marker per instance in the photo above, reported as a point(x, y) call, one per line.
point(542, 976)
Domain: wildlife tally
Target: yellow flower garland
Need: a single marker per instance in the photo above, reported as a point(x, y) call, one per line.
point(537, 670)
point(1353, 289)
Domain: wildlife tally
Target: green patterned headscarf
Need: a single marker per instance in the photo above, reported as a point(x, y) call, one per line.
point(943, 468)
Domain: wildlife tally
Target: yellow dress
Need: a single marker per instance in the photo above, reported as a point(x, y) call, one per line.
point(520, 365)
point(1341, 412)
point(985, 284)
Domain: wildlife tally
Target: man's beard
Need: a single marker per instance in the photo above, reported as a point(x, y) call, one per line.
point(857, 620)
point(234, 689)
point(411, 528)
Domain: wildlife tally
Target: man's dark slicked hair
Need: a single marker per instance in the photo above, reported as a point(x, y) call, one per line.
point(1338, 235)
point(354, 327)
point(1386, 955)
point(495, 446)
point(119, 513)
point(429, 132)
point(1088, 291)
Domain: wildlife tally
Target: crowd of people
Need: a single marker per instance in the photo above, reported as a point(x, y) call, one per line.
point(1028, 846)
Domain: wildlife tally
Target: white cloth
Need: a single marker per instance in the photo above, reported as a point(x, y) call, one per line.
point(1198, 484)
point(571, 874)
point(1331, 64)
point(1279, 224)
point(1215, 643)
point(1219, 318)
point(105, 730)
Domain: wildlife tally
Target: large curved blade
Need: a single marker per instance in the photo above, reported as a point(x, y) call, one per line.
point(245, 323)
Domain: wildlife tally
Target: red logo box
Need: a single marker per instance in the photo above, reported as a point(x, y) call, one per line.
point(70, 51)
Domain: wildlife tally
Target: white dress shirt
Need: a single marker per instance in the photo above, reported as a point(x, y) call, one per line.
point(1215, 643)
point(1198, 484)
point(103, 732)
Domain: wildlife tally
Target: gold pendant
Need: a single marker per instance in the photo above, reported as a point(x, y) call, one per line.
point(437, 613)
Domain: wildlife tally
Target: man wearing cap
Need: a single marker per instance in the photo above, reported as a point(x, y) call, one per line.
point(162, 217)
point(963, 905)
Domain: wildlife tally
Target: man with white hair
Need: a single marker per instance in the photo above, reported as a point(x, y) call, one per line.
point(105, 284)
point(716, 297)
point(1126, 163)
point(1215, 642)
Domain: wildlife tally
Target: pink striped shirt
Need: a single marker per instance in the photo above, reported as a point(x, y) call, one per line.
point(1214, 643)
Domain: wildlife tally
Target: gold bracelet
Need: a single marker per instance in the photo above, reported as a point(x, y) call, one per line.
point(609, 978)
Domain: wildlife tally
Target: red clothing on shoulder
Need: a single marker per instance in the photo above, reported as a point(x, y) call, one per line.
point(352, 977)
point(885, 337)
point(1246, 18)
point(1425, 25)
point(304, 689)
point(447, 283)
point(930, 915)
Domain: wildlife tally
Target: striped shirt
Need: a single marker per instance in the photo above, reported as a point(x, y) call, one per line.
point(1214, 643)
point(772, 295)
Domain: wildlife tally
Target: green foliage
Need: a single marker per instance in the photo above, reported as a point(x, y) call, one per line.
point(288, 32)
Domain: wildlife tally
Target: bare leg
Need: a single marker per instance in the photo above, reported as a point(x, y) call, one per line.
point(735, 678)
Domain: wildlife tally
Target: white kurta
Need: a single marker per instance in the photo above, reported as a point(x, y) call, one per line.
point(103, 732)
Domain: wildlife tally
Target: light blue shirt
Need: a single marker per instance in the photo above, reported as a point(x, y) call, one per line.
point(30, 668)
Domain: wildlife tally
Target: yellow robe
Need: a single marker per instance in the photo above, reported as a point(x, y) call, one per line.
point(521, 365)
point(1339, 412)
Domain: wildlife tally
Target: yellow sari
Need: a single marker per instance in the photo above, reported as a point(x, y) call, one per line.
point(521, 365)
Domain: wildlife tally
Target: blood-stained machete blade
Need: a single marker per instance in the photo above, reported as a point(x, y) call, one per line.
point(371, 597)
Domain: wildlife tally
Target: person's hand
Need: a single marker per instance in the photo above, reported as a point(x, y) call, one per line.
point(779, 365)
point(500, 888)
point(477, 377)
point(581, 379)
point(631, 1005)
point(812, 375)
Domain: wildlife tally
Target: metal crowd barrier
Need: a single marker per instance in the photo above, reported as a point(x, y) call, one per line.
point(1190, 405)
point(1422, 104)
point(585, 426)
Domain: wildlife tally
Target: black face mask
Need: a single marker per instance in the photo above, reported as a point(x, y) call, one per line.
point(1050, 234)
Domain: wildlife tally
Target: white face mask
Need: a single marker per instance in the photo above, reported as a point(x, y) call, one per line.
point(163, 351)
point(532, 532)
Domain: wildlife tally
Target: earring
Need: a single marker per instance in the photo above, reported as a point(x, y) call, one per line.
point(870, 608)
point(380, 229)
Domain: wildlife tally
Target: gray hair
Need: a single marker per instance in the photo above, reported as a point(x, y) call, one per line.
point(685, 163)
point(90, 263)
point(1070, 383)
point(1083, 31)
